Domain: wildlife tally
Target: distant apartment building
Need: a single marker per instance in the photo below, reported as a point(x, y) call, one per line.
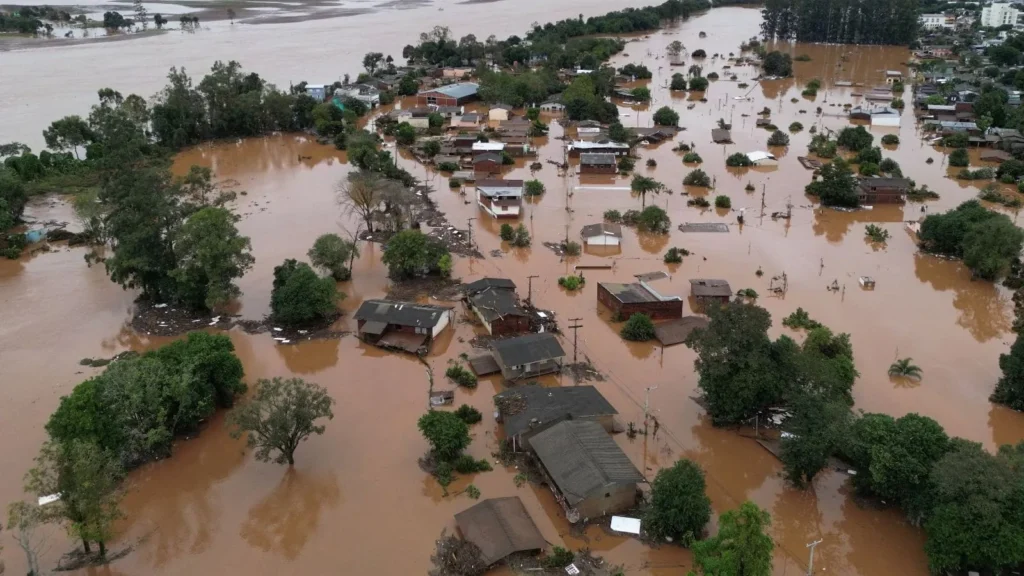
point(999, 14)
point(936, 21)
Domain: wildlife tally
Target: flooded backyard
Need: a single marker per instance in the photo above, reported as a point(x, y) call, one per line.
point(356, 501)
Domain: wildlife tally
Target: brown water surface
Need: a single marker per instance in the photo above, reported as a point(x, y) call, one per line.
point(356, 502)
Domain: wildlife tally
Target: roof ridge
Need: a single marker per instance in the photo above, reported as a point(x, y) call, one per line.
point(505, 528)
point(572, 425)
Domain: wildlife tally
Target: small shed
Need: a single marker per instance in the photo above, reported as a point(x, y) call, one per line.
point(526, 410)
point(721, 136)
point(603, 234)
point(598, 163)
point(707, 290)
point(499, 112)
point(500, 527)
point(588, 472)
point(528, 356)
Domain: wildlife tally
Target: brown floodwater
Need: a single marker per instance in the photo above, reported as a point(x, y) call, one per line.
point(356, 501)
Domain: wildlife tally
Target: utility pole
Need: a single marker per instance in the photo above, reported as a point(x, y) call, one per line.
point(810, 564)
point(575, 329)
point(529, 293)
point(469, 226)
point(647, 404)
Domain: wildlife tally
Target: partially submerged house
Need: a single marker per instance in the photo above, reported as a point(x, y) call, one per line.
point(497, 306)
point(487, 163)
point(500, 527)
point(403, 325)
point(525, 411)
point(595, 163)
point(500, 198)
point(415, 117)
point(721, 136)
point(484, 147)
point(578, 147)
point(709, 290)
point(871, 191)
point(450, 95)
point(586, 470)
point(603, 234)
point(499, 112)
point(762, 158)
point(877, 116)
point(467, 121)
point(364, 93)
point(528, 356)
point(639, 297)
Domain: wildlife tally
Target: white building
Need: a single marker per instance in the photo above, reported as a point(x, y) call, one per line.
point(364, 93)
point(936, 21)
point(999, 14)
point(762, 158)
point(500, 198)
point(603, 234)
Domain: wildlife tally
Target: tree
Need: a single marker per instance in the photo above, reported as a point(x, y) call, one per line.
point(643, 185)
point(678, 82)
point(975, 522)
point(698, 177)
point(959, 157)
point(159, 20)
point(371, 61)
point(447, 434)
point(411, 252)
point(638, 328)
point(899, 463)
point(641, 93)
point(281, 414)
point(23, 518)
point(817, 428)
point(675, 48)
point(69, 133)
point(778, 138)
point(905, 368)
point(618, 133)
point(855, 139)
point(837, 186)
point(431, 148)
point(698, 84)
point(115, 21)
point(300, 296)
point(694, 70)
point(666, 116)
point(210, 255)
point(1009, 389)
point(406, 134)
point(776, 63)
point(331, 254)
point(533, 188)
point(991, 246)
point(408, 86)
point(737, 386)
point(680, 508)
point(742, 546)
point(653, 219)
point(363, 193)
point(87, 480)
point(738, 160)
point(1003, 55)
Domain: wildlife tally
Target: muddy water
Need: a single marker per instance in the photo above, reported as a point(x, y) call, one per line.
point(356, 493)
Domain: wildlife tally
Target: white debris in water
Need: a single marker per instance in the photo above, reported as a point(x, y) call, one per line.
point(160, 306)
point(44, 500)
point(277, 329)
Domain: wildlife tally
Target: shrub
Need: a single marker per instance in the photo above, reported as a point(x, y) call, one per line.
point(855, 139)
point(778, 138)
point(802, 58)
point(959, 158)
point(890, 166)
point(699, 53)
point(678, 82)
point(473, 492)
point(979, 174)
point(749, 293)
point(507, 232)
point(447, 167)
point(466, 464)
point(796, 127)
point(712, 76)
point(331, 253)
point(957, 140)
point(572, 282)
point(697, 178)
point(522, 237)
point(300, 296)
point(454, 183)
point(800, 319)
point(626, 164)
point(652, 163)
point(868, 169)
point(738, 160)
point(446, 433)
point(680, 508)
point(652, 219)
point(559, 558)
point(890, 139)
point(534, 188)
point(666, 116)
point(698, 84)
point(822, 146)
point(572, 248)
point(749, 187)
point(639, 328)
point(876, 233)
point(699, 202)
point(456, 373)
point(692, 158)
point(612, 216)
point(897, 103)
point(468, 414)
point(722, 201)
point(814, 84)
point(675, 255)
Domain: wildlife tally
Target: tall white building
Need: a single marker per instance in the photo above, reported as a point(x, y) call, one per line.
point(999, 14)
point(935, 21)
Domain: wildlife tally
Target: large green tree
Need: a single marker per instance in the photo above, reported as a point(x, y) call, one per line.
point(210, 255)
point(836, 186)
point(300, 296)
point(817, 428)
point(411, 252)
point(280, 415)
point(332, 254)
point(679, 508)
point(447, 434)
point(644, 185)
point(742, 546)
point(69, 133)
point(991, 246)
point(1010, 387)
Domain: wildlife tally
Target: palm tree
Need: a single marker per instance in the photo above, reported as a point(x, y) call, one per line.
point(695, 70)
point(905, 369)
point(644, 184)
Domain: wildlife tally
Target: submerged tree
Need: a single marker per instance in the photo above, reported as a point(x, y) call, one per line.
point(210, 255)
point(332, 254)
point(679, 508)
point(644, 185)
point(281, 414)
point(742, 546)
point(905, 368)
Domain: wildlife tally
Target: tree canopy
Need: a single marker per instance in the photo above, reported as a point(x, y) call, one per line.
point(300, 296)
point(679, 507)
point(840, 22)
point(742, 546)
point(837, 185)
point(280, 415)
point(986, 240)
point(411, 252)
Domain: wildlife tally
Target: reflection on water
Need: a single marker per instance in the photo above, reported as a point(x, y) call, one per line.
point(284, 520)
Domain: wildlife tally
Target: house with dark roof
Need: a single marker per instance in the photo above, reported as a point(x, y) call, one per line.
point(871, 191)
point(639, 297)
point(450, 95)
point(603, 234)
point(528, 356)
point(498, 308)
point(525, 411)
point(721, 136)
point(402, 325)
point(487, 163)
point(598, 163)
point(489, 282)
point(500, 198)
point(708, 290)
point(589, 474)
point(500, 527)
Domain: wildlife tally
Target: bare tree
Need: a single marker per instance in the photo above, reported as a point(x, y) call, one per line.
point(23, 518)
point(363, 193)
point(396, 207)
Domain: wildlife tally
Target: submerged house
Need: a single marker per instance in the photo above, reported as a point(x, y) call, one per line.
point(527, 410)
point(872, 191)
point(586, 470)
point(598, 163)
point(709, 290)
point(639, 297)
point(450, 95)
point(603, 234)
point(500, 198)
point(762, 158)
point(500, 527)
point(578, 147)
point(365, 93)
point(404, 325)
point(528, 356)
point(495, 302)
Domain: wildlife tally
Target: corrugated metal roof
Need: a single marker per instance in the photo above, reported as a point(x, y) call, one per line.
point(604, 228)
point(709, 287)
point(401, 313)
point(526, 349)
point(494, 303)
point(545, 405)
point(499, 527)
point(631, 293)
point(460, 90)
point(484, 283)
point(597, 159)
point(582, 459)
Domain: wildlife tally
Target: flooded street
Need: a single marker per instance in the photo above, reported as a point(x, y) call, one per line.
point(356, 501)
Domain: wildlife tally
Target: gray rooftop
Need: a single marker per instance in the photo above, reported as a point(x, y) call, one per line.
point(544, 405)
point(526, 349)
point(400, 313)
point(495, 303)
point(609, 228)
point(597, 159)
point(582, 459)
point(460, 90)
point(629, 293)
point(884, 183)
point(709, 287)
point(478, 285)
point(499, 527)
point(720, 135)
